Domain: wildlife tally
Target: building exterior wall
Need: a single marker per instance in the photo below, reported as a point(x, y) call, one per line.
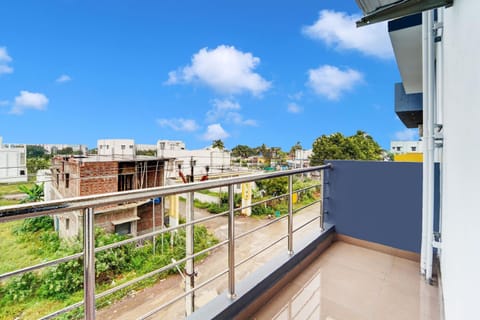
point(399, 147)
point(217, 160)
point(116, 147)
point(408, 157)
point(460, 258)
point(73, 177)
point(13, 163)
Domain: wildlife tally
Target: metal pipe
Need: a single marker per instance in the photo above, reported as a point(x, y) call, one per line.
point(290, 215)
point(322, 217)
point(430, 120)
point(89, 263)
point(189, 247)
point(265, 248)
point(231, 243)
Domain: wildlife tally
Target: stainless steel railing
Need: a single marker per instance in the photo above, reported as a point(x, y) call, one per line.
point(89, 203)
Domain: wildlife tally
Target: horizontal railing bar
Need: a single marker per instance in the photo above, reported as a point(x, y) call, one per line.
point(306, 223)
point(307, 188)
point(35, 209)
point(62, 311)
point(40, 266)
point(155, 233)
point(166, 304)
point(261, 250)
point(162, 269)
point(259, 227)
point(307, 205)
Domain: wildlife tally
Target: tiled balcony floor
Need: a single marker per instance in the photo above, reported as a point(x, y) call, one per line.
point(348, 282)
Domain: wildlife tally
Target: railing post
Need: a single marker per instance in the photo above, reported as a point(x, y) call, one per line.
point(231, 242)
point(89, 263)
point(322, 198)
point(290, 214)
point(189, 246)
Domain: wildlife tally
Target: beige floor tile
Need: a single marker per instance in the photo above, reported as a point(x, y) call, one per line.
point(350, 282)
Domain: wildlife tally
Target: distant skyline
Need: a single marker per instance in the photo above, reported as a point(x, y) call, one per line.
point(245, 72)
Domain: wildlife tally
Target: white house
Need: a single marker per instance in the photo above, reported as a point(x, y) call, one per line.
point(116, 147)
point(399, 147)
point(13, 162)
point(215, 159)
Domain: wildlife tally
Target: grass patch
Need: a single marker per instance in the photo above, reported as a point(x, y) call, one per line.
point(12, 188)
point(13, 253)
point(8, 202)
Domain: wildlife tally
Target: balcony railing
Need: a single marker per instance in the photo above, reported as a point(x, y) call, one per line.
point(88, 205)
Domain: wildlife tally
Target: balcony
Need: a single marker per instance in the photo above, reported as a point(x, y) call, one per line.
point(343, 255)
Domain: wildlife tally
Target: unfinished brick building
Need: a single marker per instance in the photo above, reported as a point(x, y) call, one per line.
point(82, 176)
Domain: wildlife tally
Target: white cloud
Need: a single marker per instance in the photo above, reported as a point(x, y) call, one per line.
point(294, 108)
point(179, 124)
point(63, 78)
point(331, 82)
point(4, 60)
point(222, 110)
point(215, 132)
point(406, 135)
point(225, 69)
point(29, 100)
point(296, 96)
point(338, 29)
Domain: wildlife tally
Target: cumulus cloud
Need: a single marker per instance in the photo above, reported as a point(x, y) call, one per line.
point(5, 59)
point(215, 132)
point(338, 29)
point(406, 135)
point(29, 100)
point(331, 82)
point(227, 110)
point(224, 69)
point(63, 78)
point(179, 124)
point(294, 108)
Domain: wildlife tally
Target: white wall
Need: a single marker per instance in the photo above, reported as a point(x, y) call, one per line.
point(116, 147)
point(460, 260)
point(13, 163)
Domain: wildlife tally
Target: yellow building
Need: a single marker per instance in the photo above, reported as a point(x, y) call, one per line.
point(409, 157)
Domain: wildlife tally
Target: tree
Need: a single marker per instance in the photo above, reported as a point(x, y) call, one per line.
point(218, 144)
point(295, 147)
point(65, 151)
point(146, 152)
point(359, 146)
point(35, 151)
point(242, 151)
point(35, 164)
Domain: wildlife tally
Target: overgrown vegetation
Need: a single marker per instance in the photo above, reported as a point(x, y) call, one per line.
point(41, 292)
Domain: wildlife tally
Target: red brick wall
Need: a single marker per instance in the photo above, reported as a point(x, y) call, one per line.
point(98, 177)
point(145, 213)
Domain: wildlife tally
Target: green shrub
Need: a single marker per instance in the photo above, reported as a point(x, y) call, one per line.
point(30, 225)
point(19, 289)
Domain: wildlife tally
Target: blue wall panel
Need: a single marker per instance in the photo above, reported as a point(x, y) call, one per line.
point(376, 201)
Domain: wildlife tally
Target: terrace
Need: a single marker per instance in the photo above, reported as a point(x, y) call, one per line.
point(348, 256)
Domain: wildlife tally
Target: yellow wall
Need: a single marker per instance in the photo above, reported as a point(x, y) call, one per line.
point(409, 157)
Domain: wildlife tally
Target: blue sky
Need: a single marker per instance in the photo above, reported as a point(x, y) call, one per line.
point(247, 72)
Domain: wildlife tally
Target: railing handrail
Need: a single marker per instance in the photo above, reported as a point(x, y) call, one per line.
point(35, 209)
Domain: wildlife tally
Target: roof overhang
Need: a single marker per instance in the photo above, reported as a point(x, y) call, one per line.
point(408, 107)
point(382, 10)
point(406, 37)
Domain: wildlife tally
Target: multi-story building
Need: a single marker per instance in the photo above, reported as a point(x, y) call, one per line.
point(81, 176)
point(116, 147)
point(13, 162)
point(215, 159)
point(399, 147)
